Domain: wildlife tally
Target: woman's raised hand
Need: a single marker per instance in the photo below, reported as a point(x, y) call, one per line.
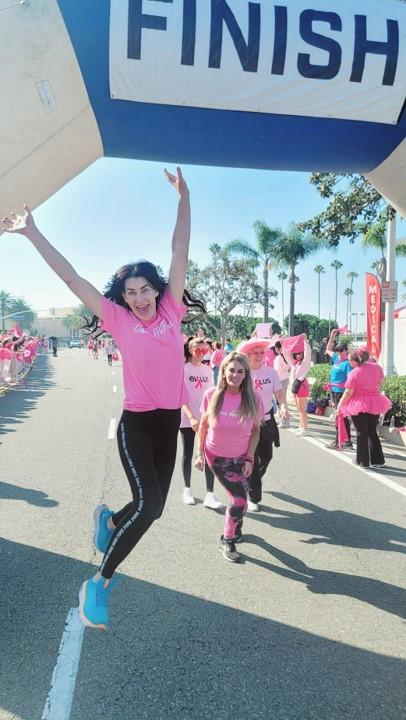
point(177, 181)
point(23, 224)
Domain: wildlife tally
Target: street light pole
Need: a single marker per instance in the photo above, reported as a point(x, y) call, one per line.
point(389, 336)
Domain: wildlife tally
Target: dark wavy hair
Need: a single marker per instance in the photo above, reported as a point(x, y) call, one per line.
point(116, 286)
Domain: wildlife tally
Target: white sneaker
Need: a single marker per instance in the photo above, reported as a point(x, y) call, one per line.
point(210, 501)
point(187, 497)
point(302, 433)
point(252, 507)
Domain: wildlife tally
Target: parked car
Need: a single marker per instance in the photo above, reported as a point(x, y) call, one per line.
point(74, 343)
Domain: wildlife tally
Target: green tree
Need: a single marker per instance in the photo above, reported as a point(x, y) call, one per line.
point(337, 265)
point(354, 206)
point(78, 319)
point(282, 276)
point(317, 328)
point(292, 247)
point(22, 313)
point(224, 285)
point(319, 269)
point(375, 237)
point(262, 254)
point(5, 304)
point(352, 276)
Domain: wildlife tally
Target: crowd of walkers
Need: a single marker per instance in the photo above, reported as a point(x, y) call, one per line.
point(228, 405)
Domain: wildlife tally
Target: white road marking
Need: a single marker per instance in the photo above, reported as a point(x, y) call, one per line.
point(114, 388)
point(344, 458)
point(114, 372)
point(59, 701)
point(112, 429)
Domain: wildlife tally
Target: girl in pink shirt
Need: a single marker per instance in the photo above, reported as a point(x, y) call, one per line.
point(300, 364)
point(228, 436)
point(198, 378)
point(364, 402)
point(143, 314)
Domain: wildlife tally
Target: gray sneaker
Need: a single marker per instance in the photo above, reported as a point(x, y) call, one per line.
point(227, 547)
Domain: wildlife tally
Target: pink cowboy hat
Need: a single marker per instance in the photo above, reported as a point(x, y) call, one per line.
point(246, 346)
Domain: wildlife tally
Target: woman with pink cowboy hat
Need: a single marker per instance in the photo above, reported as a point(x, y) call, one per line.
point(267, 385)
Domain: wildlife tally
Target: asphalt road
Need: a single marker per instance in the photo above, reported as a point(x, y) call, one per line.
point(311, 626)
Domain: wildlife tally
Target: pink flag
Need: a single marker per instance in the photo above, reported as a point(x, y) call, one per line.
point(345, 330)
point(293, 344)
point(16, 330)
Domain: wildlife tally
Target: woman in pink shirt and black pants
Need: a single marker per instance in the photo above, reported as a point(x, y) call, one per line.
point(228, 436)
point(143, 313)
point(364, 402)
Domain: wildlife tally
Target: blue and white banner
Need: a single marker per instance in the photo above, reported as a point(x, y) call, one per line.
point(340, 59)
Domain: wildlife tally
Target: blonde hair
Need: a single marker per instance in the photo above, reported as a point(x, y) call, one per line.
point(249, 406)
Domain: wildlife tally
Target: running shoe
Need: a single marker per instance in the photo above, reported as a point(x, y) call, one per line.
point(376, 466)
point(238, 533)
point(187, 497)
point(303, 433)
point(332, 446)
point(102, 533)
point(210, 501)
point(93, 603)
point(252, 506)
point(227, 547)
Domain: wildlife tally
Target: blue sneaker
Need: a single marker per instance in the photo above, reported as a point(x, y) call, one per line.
point(102, 533)
point(93, 603)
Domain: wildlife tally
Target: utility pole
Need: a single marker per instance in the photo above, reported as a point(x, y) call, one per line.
point(389, 337)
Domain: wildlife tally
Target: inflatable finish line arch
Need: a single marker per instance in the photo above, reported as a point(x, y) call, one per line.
point(286, 85)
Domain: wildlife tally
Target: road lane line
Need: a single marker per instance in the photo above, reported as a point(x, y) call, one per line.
point(112, 429)
point(60, 697)
point(114, 388)
point(344, 458)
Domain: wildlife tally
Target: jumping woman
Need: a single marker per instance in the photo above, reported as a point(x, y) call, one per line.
point(143, 313)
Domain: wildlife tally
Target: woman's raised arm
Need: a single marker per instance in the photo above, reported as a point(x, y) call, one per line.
point(24, 225)
point(180, 238)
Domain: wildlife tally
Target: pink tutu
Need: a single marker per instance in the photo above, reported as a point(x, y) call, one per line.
point(373, 403)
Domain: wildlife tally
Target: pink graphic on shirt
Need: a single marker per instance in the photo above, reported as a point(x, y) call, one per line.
point(258, 385)
point(198, 383)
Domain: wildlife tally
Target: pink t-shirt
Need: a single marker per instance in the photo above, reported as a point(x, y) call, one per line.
point(230, 435)
point(197, 380)
point(266, 381)
point(152, 354)
point(217, 358)
point(269, 357)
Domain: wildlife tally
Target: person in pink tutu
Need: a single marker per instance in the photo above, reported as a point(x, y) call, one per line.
point(364, 402)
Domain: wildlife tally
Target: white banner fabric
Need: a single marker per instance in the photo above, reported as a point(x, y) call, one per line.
point(341, 59)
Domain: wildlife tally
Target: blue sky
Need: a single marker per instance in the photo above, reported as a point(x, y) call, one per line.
point(122, 210)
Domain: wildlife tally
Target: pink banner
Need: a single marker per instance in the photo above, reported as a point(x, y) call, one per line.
point(373, 289)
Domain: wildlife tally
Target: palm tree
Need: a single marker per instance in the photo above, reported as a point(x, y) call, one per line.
point(375, 237)
point(5, 302)
point(21, 312)
point(282, 276)
point(266, 237)
point(294, 246)
point(336, 264)
point(319, 269)
point(348, 292)
point(352, 275)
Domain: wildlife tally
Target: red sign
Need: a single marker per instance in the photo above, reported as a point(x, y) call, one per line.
point(373, 315)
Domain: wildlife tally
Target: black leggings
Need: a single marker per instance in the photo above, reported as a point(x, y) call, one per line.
point(269, 435)
point(368, 442)
point(147, 445)
point(188, 441)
